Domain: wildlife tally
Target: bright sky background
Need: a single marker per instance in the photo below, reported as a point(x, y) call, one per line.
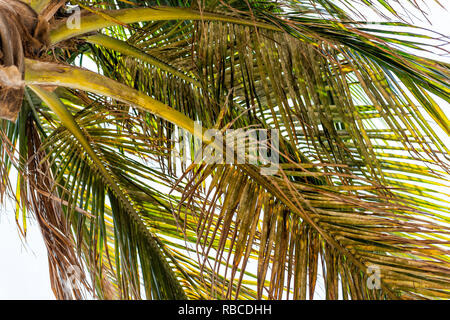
point(23, 265)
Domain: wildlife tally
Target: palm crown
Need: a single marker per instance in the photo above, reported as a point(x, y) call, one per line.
point(360, 184)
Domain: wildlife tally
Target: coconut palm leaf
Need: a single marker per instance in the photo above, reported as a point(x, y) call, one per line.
point(362, 181)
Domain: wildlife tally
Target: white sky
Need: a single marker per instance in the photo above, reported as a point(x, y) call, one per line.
point(24, 267)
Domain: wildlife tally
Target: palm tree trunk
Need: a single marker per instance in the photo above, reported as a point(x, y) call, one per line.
point(23, 34)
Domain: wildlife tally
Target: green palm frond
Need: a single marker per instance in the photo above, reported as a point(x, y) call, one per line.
point(364, 158)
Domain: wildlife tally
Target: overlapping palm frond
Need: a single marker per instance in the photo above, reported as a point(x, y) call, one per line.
point(362, 181)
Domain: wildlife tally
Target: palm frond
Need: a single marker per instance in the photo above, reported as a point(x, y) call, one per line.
point(362, 181)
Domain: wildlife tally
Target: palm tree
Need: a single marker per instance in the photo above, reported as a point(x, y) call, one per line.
point(358, 199)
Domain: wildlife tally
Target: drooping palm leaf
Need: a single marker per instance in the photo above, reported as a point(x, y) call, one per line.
point(363, 169)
